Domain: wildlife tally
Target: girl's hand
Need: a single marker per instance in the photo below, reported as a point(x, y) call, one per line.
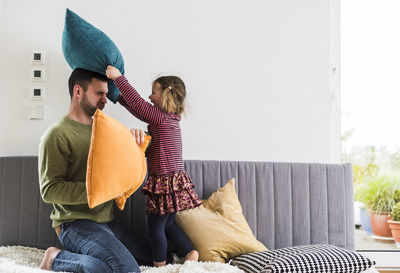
point(112, 72)
point(138, 135)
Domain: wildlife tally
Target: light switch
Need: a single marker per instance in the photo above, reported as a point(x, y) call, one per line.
point(34, 112)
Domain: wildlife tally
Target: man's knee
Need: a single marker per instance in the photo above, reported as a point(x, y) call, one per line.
point(127, 267)
point(113, 265)
point(91, 264)
point(123, 262)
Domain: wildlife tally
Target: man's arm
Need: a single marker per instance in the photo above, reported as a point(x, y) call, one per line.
point(53, 163)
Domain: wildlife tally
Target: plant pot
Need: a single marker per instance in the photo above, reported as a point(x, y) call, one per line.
point(395, 227)
point(379, 224)
point(365, 219)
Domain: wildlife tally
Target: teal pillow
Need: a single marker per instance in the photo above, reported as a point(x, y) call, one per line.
point(87, 47)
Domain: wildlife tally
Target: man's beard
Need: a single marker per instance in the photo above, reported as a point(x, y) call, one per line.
point(87, 108)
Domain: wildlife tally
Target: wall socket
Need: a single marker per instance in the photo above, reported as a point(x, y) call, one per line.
point(37, 93)
point(38, 74)
point(37, 57)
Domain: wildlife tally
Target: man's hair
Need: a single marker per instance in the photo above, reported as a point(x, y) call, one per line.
point(83, 77)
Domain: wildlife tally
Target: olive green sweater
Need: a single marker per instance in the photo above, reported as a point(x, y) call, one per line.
point(63, 153)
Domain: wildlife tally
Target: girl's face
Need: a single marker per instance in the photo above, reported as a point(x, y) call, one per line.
point(156, 94)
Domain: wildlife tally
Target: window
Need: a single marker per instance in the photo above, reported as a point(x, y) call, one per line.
point(370, 94)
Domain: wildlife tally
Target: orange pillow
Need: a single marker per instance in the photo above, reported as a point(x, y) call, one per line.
point(116, 165)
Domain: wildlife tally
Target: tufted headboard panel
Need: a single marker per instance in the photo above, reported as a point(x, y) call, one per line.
point(285, 204)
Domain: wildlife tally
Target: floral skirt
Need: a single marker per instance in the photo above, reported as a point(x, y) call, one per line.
point(169, 193)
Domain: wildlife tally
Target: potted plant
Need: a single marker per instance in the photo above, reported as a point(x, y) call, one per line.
point(395, 223)
point(362, 193)
point(361, 197)
point(377, 193)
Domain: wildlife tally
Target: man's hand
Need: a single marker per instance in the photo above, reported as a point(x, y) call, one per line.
point(112, 72)
point(138, 135)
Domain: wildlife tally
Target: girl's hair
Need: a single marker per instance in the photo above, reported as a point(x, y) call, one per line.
point(173, 95)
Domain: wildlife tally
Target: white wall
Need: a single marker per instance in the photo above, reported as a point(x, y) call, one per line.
point(258, 73)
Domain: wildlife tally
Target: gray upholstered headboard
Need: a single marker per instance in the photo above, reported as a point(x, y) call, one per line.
point(285, 204)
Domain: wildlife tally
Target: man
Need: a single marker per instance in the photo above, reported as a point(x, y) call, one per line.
point(92, 242)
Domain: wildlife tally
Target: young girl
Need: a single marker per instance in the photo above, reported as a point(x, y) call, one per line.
point(169, 188)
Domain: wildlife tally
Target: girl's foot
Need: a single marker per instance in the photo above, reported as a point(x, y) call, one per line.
point(48, 258)
point(192, 256)
point(158, 264)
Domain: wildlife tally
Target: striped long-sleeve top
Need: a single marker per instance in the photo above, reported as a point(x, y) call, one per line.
point(164, 154)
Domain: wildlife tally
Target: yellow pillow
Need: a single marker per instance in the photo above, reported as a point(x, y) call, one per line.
point(218, 229)
point(116, 165)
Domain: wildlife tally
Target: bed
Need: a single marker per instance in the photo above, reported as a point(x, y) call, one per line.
point(285, 204)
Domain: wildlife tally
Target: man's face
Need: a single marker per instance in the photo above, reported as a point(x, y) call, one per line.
point(94, 97)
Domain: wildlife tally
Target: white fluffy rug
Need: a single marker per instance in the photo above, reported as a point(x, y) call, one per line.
point(19, 259)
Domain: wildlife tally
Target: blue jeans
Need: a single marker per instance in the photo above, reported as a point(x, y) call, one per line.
point(163, 227)
point(101, 247)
